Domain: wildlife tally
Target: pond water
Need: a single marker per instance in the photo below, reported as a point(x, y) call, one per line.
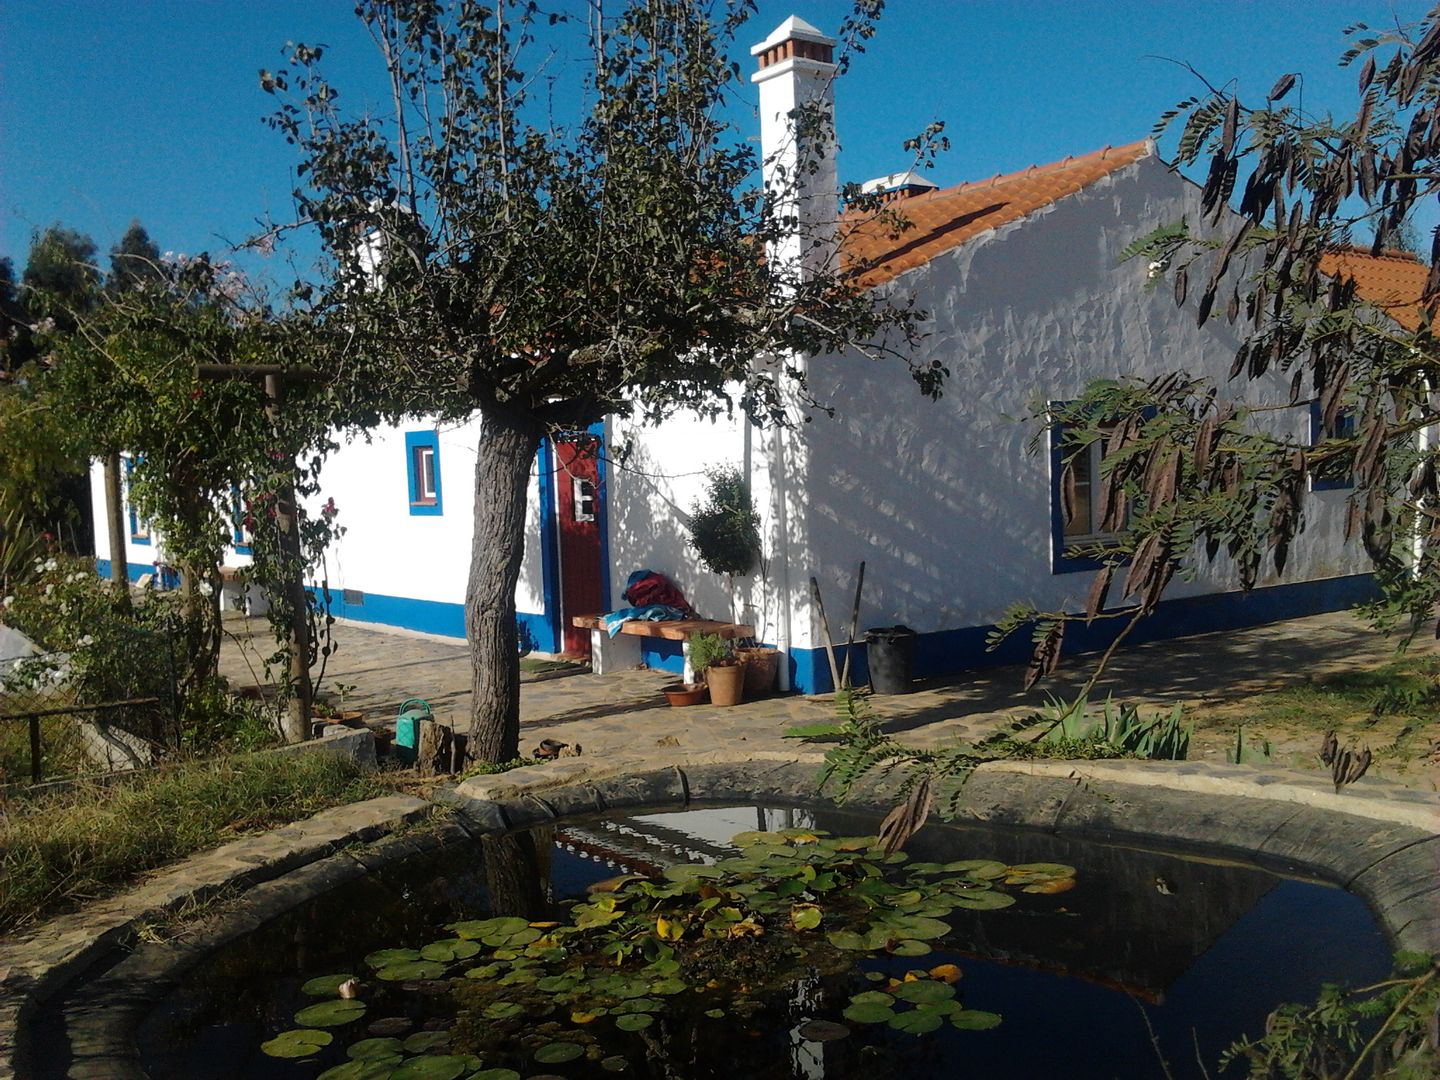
point(1145, 949)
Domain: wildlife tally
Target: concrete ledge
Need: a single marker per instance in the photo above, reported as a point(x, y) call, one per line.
point(353, 744)
point(37, 965)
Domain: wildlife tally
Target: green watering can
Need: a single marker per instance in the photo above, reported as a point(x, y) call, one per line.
point(407, 727)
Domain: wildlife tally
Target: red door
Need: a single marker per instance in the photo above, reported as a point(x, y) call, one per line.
point(577, 505)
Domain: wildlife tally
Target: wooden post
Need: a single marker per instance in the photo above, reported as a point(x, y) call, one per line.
point(297, 718)
point(434, 753)
point(115, 517)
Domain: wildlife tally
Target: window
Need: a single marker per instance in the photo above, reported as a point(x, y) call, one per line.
point(422, 460)
point(1078, 529)
point(139, 530)
point(1331, 475)
point(584, 498)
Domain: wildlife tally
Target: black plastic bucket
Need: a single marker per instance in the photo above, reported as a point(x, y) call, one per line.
point(890, 652)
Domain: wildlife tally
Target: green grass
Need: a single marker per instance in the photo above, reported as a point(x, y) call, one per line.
point(60, 752)
point(1404, 687)
point(60, 850)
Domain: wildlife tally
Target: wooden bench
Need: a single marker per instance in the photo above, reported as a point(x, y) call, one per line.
point(614, 654)
point(249, 598)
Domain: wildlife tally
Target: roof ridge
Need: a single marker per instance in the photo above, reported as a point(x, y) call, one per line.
point(1388, 254)
point(1070, 161)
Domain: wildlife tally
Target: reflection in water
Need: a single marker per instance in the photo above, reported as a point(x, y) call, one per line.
point(1204, 947)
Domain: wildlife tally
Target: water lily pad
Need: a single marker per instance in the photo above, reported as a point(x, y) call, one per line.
point(984, 869)
point(749, 839)
point(975, 1020)
point(869, 1013)
point(715, 1014)
point(911, 947)
point(330, 1013)
point(634, 1021)
point(637, 1005)
point(1041, 869)
point(409, 970)
point(366, 1049)
point(555, 984)
point(915, 1022)
point(384, 958)
point(432, 1067)
point(924, 990)
point(1051, 887)
point(692, 872)
point(983, 900)
point(495, 1074)
point(805, 916)
point(614, 1063)
point(298, 1043)
point(451, 949)
point(668, 987)
point(422, 1042)
point(369, 1069)
point(918, 927)
point(872, 997)
point(325, 985)
point(557, 1053)
point(503, 1010)
point(823, 1031)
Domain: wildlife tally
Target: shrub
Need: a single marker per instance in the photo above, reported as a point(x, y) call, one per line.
point(724, 528)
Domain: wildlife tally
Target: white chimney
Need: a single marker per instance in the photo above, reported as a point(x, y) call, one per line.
point(797, 72)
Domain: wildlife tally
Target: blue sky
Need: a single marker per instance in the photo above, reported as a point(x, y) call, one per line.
point(150, 109)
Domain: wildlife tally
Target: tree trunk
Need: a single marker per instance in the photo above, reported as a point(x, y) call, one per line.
point(508, 441)
point(115, 517)
point(517, 872)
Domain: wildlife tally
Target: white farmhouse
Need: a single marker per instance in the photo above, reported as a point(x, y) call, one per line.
point(954, 515)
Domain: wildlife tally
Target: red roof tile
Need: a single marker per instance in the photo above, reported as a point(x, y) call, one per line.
point(1393, 281)
point(876, 251)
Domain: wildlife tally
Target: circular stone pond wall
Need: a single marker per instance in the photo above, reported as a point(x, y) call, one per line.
point(1141, 929)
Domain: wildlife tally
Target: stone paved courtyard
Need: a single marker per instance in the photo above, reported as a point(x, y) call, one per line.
point(623, 715)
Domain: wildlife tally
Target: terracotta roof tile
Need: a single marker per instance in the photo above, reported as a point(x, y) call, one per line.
point(940, 220)
point(1393, 281)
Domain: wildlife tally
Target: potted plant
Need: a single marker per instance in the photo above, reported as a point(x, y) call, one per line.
point(761, 664)
point(724, 527)
point(714, 660)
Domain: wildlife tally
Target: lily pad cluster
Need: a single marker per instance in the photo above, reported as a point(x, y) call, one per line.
point(701, 941)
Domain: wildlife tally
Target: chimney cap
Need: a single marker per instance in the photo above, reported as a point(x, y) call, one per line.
point(895, 181)
point(792, 29)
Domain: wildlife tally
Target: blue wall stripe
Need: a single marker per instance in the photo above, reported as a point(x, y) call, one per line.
point(948, 652)
point(135, 570)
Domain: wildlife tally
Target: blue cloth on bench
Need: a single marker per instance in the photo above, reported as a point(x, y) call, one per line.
point(654, 613)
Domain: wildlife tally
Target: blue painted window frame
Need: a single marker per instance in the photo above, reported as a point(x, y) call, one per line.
point(1060, 562)
point(238, 506)
point(1317, 434)
point(136, 536)
point(415, 440)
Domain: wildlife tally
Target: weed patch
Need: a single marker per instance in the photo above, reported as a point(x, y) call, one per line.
point(60, 850)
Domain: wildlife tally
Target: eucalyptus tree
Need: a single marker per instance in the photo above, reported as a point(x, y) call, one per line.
point(495, 252)
point(1286, 194)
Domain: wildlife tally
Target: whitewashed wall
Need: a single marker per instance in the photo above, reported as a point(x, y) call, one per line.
point(944, 499)
point(386, 549)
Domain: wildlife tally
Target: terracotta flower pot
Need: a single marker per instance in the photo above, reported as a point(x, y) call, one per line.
point(727, 683)
point(761, 667)
point(684, 693)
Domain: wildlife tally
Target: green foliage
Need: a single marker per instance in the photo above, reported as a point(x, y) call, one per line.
point(709, 650)
point(57, 850)
point(1387, 1029)
point(724, 527)
point(1249, 752)
point(1123, 730)
point(659, 952)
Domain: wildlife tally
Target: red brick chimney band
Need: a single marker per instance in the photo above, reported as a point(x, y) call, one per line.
point(805, 50)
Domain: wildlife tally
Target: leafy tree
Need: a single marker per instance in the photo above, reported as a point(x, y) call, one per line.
point(1287, 193)
point(134, 261)
point(61, 279)
point(488, 258)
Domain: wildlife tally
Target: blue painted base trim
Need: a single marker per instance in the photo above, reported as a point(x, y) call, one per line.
point(663, 655)
point(947, 652)
point(135, 570)
point(434, 617)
